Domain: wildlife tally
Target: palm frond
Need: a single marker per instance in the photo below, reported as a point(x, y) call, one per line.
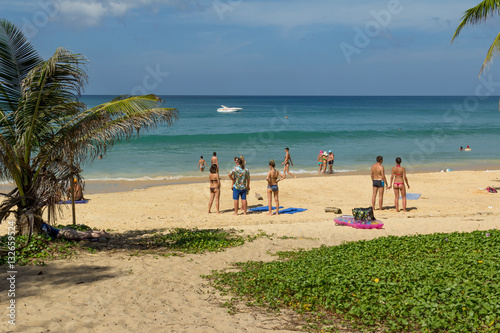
point(93, 131)
point(492, 51)
point(55, 82)
point(46, 133)
point(17, 58)
point(478, 14)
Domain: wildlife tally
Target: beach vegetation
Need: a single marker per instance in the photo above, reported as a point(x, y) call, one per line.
point(479, 14)
point(177, 242)
point(47, 133)
point(40, 248)
point(429, 283)
point(197, 240)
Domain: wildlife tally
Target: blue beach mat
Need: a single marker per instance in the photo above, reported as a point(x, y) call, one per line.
point(84, 201)
point(262, 208)
point(292, 210)
point(411, 196)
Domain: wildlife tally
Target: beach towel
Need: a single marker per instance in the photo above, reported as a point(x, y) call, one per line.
point(262, 209)
point(292, 210)
point(83, 201)
point(411, 196)
point(351, 222)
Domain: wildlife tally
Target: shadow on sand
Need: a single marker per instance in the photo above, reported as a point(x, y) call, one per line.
point(29, 280)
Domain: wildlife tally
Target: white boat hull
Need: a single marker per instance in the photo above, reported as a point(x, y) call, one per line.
point(225, 109)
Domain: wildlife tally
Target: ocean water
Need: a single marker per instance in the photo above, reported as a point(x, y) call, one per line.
point(426, 132)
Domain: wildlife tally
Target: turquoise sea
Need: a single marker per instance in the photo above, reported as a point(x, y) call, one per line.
point(426, 132)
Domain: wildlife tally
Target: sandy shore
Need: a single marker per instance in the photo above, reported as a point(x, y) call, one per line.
point(111, 291)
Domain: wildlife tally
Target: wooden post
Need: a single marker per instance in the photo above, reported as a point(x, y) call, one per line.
point(73, 200)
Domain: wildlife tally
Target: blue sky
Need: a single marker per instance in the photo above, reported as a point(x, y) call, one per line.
point(263, 47)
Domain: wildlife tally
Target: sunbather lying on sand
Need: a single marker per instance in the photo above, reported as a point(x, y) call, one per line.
point(72, 234)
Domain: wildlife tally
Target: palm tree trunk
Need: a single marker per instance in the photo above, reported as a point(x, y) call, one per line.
point(27, 222)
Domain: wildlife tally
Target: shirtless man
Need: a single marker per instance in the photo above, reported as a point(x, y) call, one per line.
point(273, 177)
point(287, 162)
point(202, 164)
point(78, 191)
point(72, 234)
point(330, 160)
point(378, 180)
point(215, 161)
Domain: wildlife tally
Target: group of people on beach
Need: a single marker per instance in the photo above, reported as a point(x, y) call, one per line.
point(398, 180)
point(240, 177)
point(325, 161)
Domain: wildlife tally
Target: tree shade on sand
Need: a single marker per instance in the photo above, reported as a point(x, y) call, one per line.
point(46, 133)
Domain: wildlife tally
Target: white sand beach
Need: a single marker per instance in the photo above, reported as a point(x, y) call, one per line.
point(112, 291)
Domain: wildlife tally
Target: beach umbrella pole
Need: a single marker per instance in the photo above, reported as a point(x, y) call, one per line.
point(73, 200)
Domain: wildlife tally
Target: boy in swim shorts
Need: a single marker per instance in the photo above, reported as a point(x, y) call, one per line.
point(378, 182)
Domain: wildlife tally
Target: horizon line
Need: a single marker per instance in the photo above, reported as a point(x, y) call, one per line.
point(256, 95)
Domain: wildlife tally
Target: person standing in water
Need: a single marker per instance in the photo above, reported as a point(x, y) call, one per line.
point(287, 162)
point(398, 175)
point(378, 181)
point(202, 164)
point(215, 161)
point(273, 177)
point(325, 162)
point(320, 161)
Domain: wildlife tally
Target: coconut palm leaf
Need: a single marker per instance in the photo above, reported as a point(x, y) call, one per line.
point(492, 52)
point(54, 82)
point(478, 14)
point(46, 133)
point(17, 58)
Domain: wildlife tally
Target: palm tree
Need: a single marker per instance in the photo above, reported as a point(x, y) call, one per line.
point(479, 14)
point(46, 133)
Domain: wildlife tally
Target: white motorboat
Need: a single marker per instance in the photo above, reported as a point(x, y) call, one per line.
point(228, 109)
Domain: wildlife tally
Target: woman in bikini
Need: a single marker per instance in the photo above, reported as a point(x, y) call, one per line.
point(214, 180)
point(273, 177)
point(399, 177)
point(320, 161)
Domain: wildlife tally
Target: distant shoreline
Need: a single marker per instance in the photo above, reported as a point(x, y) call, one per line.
point(117, 186)
point(93, 186)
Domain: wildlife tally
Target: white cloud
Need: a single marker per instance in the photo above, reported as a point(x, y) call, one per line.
point(118, 9)
point(93, 12)
point(82, 13)
point(420, 15)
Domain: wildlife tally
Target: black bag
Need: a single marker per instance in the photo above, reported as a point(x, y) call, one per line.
point(363, 214)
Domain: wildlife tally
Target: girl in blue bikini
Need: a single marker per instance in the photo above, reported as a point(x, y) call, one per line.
point(273, 177)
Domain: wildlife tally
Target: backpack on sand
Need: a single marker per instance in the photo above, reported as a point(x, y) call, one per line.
point(363, 214)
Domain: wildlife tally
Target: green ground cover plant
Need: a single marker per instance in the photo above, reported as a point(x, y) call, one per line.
point(165, 243)
point(436, 283)
point(197, 240)
point(39, 250)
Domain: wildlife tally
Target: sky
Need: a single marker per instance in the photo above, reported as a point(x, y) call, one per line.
point(263, 47)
